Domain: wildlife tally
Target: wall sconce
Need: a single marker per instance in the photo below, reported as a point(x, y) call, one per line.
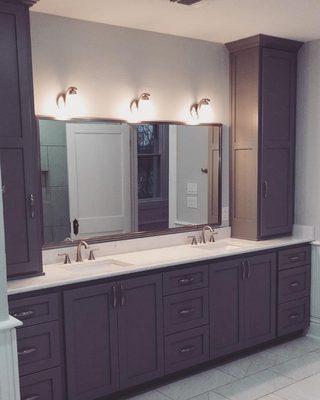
point(199, 111)
point(62, 98)
point(139, 107)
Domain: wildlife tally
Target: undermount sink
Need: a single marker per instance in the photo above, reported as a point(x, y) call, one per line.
point(217, 246)
point(94, 266)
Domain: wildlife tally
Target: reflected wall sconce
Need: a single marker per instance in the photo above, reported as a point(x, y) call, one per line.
point(62, 98)
point(198, 110)
point(139, 103)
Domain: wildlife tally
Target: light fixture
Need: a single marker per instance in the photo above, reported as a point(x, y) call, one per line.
point(63, 97)
point(139, 107)
point(199, 110)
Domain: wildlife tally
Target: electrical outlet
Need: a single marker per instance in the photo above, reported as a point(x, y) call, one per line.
point(192, 188)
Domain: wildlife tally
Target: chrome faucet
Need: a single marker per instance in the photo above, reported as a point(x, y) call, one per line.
point(203, 236)
point(79, 255)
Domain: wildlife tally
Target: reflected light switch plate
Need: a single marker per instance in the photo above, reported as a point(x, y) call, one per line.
point(192, 188)
point(192, 202)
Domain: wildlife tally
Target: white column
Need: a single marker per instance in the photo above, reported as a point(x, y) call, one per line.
point(315, 291)
point(9, 376)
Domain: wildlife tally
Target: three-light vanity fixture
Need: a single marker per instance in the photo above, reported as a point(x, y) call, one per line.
point(200, 112)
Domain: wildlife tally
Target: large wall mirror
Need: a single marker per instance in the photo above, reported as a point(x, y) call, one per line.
point(104, 180)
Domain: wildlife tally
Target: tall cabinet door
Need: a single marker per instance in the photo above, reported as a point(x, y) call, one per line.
point(226, 293)
point(278, 141)
point(140, 329)
point(18, 144)
point(259, 301)
point(91, 342)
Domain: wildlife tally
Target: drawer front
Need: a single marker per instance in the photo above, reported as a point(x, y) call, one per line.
point(35, 310)
point(293, 316)
point(38, 347)
point(46, 385)
point(185, 311)
point(295, 257)
point(186, 349)
point(185, 279)
point(294, 283)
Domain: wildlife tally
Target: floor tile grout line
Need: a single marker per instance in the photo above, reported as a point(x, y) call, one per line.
point(165, 395)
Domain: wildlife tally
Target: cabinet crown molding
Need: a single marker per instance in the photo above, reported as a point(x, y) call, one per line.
point(28, 3)
point(264, 41)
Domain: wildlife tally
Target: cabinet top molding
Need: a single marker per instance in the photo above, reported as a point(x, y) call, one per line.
point(28, 3)
point(264, 41)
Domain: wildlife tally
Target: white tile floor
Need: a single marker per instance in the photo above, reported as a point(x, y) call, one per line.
point(289, 371)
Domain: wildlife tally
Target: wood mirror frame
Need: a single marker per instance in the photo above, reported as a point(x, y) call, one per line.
point(142, 234)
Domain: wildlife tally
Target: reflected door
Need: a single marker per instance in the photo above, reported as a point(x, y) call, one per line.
point(99, 179)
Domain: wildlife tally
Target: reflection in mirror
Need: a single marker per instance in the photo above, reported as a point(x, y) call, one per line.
point(101, 179)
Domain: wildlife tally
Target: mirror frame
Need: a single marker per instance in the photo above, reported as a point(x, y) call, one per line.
point(131, 235)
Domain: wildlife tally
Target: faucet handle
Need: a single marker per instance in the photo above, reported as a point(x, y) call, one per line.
point(91, 254)
point(66, 258)
point(194, 241)
point(211, 240)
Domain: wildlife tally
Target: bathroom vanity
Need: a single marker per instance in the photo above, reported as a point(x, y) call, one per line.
point(124, 321)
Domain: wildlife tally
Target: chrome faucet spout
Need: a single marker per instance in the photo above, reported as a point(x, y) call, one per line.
point(210, 229)
point(81, 244)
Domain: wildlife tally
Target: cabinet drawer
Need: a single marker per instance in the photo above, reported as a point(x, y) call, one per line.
point(185, 311)
point(185, 279)
point(294, 257)
point(294, 283)
point(35, 310)
point(46, 385)
point(186, 349)
point(293, 316)
point(38, 347)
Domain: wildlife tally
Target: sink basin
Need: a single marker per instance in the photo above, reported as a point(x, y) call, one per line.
point(217, 246)
point(95, 266)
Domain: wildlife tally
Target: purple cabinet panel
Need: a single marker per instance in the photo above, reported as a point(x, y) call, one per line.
point(140, 330)
point(18, 144)
point(46, 385)
point(91, 342)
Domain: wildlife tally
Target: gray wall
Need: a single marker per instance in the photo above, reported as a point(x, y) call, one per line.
point(112, 65)
point(54, 180)
point(307, 209)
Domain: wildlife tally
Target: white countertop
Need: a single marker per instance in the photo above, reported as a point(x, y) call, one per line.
point(145, 260)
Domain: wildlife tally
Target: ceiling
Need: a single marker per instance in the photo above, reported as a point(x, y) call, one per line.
point(213, 20)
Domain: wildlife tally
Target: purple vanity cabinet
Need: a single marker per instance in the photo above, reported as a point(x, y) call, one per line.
point(114, 336)
point(140, 330)
point(18, 144)
point(91, 341)
point(242, 303)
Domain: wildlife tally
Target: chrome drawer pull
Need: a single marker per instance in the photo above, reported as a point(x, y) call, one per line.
point(26, 352)
point(123, 298)
point(294, 258)
point(23, 314)
point(186, 349)
point(186, 312)
point(294, 316)
point(35, 397)
point(294, 284)
point(186, 281)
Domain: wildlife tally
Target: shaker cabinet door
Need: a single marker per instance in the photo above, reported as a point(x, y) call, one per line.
point(140, 329)
point(278, 141)
point(91, 342)
point(260, 299)
point(226, 292)
point(18, 145)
